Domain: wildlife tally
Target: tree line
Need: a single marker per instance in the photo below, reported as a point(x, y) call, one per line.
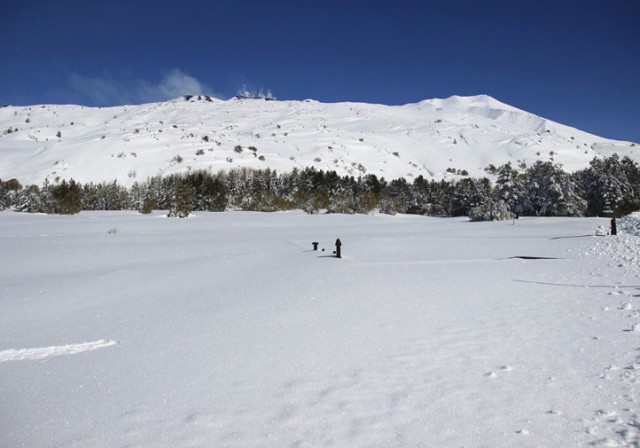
point(609, 186)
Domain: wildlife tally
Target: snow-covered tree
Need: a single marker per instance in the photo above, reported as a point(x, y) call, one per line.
point(8, 192)
point(469, 193)
point(104, 196)
point(29, 200)
point(609, 186)
point(397, 197)
point(344, 197)
point(511, 189)
point(4, 197)
point(552, 192)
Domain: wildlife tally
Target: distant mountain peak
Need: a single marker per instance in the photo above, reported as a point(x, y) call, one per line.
point(467, 102)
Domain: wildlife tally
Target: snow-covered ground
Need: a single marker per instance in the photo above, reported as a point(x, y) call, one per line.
point(120, 329)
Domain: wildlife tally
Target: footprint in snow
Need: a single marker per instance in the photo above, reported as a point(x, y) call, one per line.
point(605, 414)
point(504, 368)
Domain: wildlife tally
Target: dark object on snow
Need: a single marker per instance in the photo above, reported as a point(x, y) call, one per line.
point(338, 246)
point(614, 227)
point(528, 257)
point(315, 245)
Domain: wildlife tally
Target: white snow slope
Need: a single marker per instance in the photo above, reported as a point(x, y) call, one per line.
point(131, 143)
point(226, 330)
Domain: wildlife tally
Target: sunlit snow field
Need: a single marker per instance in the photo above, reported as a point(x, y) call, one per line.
point(119, 329)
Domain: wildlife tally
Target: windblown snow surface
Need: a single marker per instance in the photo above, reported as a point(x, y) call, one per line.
point(119, 329)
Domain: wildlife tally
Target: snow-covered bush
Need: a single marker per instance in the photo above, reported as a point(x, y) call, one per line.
point(630, 224)
point(491, 211)
point(147, 206)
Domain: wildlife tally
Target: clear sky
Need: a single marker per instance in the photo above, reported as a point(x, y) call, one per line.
point(575, 62)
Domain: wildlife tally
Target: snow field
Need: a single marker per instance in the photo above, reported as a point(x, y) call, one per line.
point(231, 331)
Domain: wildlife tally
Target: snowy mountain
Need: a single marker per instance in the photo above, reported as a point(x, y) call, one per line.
point(129, 143)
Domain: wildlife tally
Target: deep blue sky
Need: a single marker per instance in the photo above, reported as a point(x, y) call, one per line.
point(575, 62)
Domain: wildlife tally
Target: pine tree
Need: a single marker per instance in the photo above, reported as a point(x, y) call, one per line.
point(344, 197)
point(182, 199)
point(421, 193)
point(469, 193)
point(632, 172)
point(398, 197)
point(65, 198)
point(4, 197)
point(440, 198)
point(609, 186)
point(8, 192)
point(510, 188)
point(29, 200)
point(552, 192)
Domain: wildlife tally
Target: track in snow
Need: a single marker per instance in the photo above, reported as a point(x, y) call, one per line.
point(33, 354)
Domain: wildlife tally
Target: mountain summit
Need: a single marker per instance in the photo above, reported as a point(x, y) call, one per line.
point(431, 138)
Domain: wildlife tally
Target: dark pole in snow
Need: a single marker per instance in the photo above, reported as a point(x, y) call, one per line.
point(315, 245)
point(614, 227)
point(338, 245)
